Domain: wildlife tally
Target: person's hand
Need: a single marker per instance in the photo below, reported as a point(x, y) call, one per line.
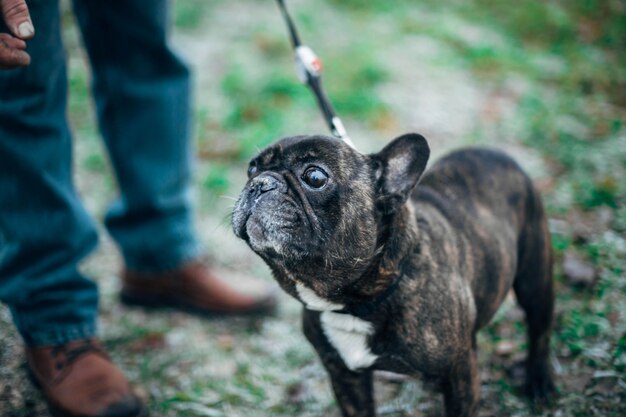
point(13, 45)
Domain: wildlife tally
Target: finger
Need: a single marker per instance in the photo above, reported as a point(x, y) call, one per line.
point(12, 42)
point(12, 54)
point(17, 18)
point(13, 59)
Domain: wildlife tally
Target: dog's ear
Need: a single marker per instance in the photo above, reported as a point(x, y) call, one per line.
point(398, 168)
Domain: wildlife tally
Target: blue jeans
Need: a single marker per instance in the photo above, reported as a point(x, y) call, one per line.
point(142, 97)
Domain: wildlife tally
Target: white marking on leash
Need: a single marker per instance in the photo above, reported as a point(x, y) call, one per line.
point(345, 332)
point(341, 131)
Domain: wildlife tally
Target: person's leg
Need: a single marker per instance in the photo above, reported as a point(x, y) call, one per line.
point(45, 232)
point(142, 93)
point(44, 229)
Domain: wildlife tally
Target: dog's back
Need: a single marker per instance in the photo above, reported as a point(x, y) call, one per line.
point(482, 183)
point(492, 204)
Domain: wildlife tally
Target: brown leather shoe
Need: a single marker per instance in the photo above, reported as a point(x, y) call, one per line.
point(192, 288)
point(79, 380)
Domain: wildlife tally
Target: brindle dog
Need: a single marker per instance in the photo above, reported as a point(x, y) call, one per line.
point(398, 277)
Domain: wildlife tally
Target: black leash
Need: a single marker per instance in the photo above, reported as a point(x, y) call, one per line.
point(309, 68)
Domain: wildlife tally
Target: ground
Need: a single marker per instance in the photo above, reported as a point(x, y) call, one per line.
point(544, 81)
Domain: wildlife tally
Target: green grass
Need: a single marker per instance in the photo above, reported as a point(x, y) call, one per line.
point(189, 14)
point(259, 105)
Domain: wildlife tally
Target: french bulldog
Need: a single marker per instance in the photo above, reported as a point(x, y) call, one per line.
point(395, 275)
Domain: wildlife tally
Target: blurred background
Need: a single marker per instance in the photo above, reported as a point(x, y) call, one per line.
point(543, 80)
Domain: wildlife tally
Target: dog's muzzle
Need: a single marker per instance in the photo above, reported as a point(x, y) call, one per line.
point(255, 191)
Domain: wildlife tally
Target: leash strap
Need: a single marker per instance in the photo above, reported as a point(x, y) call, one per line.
point(309, 69)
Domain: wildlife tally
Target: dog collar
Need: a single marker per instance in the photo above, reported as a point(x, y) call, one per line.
point(369, 307)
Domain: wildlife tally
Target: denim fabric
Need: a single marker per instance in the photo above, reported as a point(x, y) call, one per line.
point(141, 91)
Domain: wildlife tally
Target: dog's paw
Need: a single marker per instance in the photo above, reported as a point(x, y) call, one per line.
point(540, 388)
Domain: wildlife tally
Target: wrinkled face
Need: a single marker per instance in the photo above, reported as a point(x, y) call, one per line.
point(308, 208)
point(315, 209)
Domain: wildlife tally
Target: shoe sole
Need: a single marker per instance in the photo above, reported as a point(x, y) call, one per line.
point(57, 412)
point(152, 303)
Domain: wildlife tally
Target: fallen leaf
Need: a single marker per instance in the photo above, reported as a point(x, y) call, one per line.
point(297, 393)
point(225, 341)
point(151, 341)
point(576, 383)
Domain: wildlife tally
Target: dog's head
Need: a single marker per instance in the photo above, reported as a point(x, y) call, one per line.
point(316, 210)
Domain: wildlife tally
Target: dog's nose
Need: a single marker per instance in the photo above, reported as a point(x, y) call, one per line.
point(264, 183)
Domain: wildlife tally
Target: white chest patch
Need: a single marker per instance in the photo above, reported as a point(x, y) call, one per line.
point(348, 334)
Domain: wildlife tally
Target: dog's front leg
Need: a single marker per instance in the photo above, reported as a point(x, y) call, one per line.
point(353, 389)
point(461, 390)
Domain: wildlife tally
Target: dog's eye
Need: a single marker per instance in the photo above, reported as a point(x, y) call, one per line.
point(252, 169)
point(315, 177)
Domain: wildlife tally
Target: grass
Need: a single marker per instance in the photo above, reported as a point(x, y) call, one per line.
point(561, 67)
point(189, 14)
